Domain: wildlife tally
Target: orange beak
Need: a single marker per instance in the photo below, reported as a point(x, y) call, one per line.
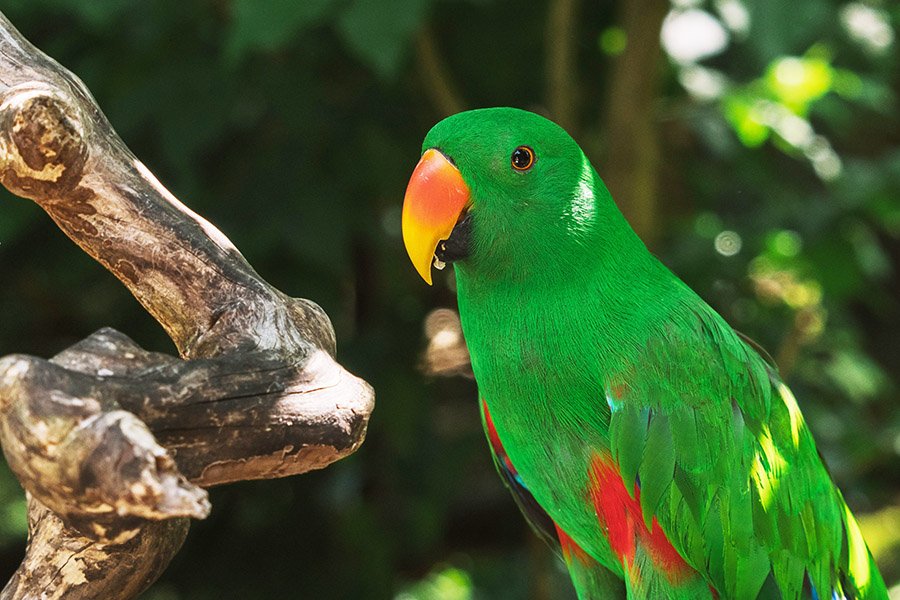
point(435, 198)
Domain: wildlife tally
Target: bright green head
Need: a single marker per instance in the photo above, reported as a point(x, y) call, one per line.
point(502, 189)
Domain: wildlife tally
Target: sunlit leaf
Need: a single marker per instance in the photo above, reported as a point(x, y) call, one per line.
point(797, 82)
point(742, 113)
point(449, 583)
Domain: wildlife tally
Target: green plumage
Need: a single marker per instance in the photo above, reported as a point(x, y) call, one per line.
point(586, 348)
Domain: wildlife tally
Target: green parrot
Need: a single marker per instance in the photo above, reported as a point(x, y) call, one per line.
point(653, 445)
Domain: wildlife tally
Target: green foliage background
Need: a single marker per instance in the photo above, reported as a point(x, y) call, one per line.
point(294, 127)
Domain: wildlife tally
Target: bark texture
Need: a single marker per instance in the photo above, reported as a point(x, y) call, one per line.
point(114, 444)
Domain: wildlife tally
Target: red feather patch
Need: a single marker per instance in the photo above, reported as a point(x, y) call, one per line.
point(618, 513)
point(623, 519)
point(570, 548)
point(495, 439)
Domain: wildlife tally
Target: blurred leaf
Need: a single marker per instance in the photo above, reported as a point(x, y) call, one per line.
point(93, 14)
point(448, 583)
point(797, 82)
point(882, 532)
point(856, 375)
point(270, 24)
point(16, 217)
point(612, 41)
point(871, 257)
point(742, 111)
point(379, 31)
point(779, 28)
point(784, 243)
point(13, 511)
point(103, 14)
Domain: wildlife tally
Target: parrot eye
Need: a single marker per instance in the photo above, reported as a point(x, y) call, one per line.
point(522, 158)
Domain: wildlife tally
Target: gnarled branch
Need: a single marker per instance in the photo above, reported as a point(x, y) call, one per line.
point(112, 443)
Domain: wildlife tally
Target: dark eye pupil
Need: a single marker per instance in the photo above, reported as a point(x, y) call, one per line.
point(522, 157)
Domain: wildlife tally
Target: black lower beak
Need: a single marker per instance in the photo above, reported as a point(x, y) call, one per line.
point(458, 245)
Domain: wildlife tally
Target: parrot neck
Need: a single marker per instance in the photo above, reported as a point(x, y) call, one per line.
point(584, 320)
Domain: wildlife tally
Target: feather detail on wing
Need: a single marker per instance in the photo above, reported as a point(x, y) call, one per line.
point(726, 464)
point(591, 580)
point(537, 518)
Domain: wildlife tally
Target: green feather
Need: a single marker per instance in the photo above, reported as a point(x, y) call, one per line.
point(764, 526)
point(789, 570)
point(714, 545)
point(695, 498)
point(627, 438)
point(691, 453)
point(657, 465)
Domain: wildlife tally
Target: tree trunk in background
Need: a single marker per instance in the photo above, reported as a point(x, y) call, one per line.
point(435, 76)
point(561, 62)
point(632, 149)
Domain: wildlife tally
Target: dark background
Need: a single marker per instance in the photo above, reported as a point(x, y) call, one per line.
point(757, 152)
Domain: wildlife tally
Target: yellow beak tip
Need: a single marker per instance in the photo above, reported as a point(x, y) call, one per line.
point(426, 275)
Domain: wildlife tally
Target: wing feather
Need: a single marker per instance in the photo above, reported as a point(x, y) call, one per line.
point(727, 465)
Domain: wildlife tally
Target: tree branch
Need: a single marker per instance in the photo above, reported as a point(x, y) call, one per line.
point(435, 75)
point(111, 442)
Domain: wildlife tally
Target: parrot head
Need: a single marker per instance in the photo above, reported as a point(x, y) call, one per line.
point(498, 188)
